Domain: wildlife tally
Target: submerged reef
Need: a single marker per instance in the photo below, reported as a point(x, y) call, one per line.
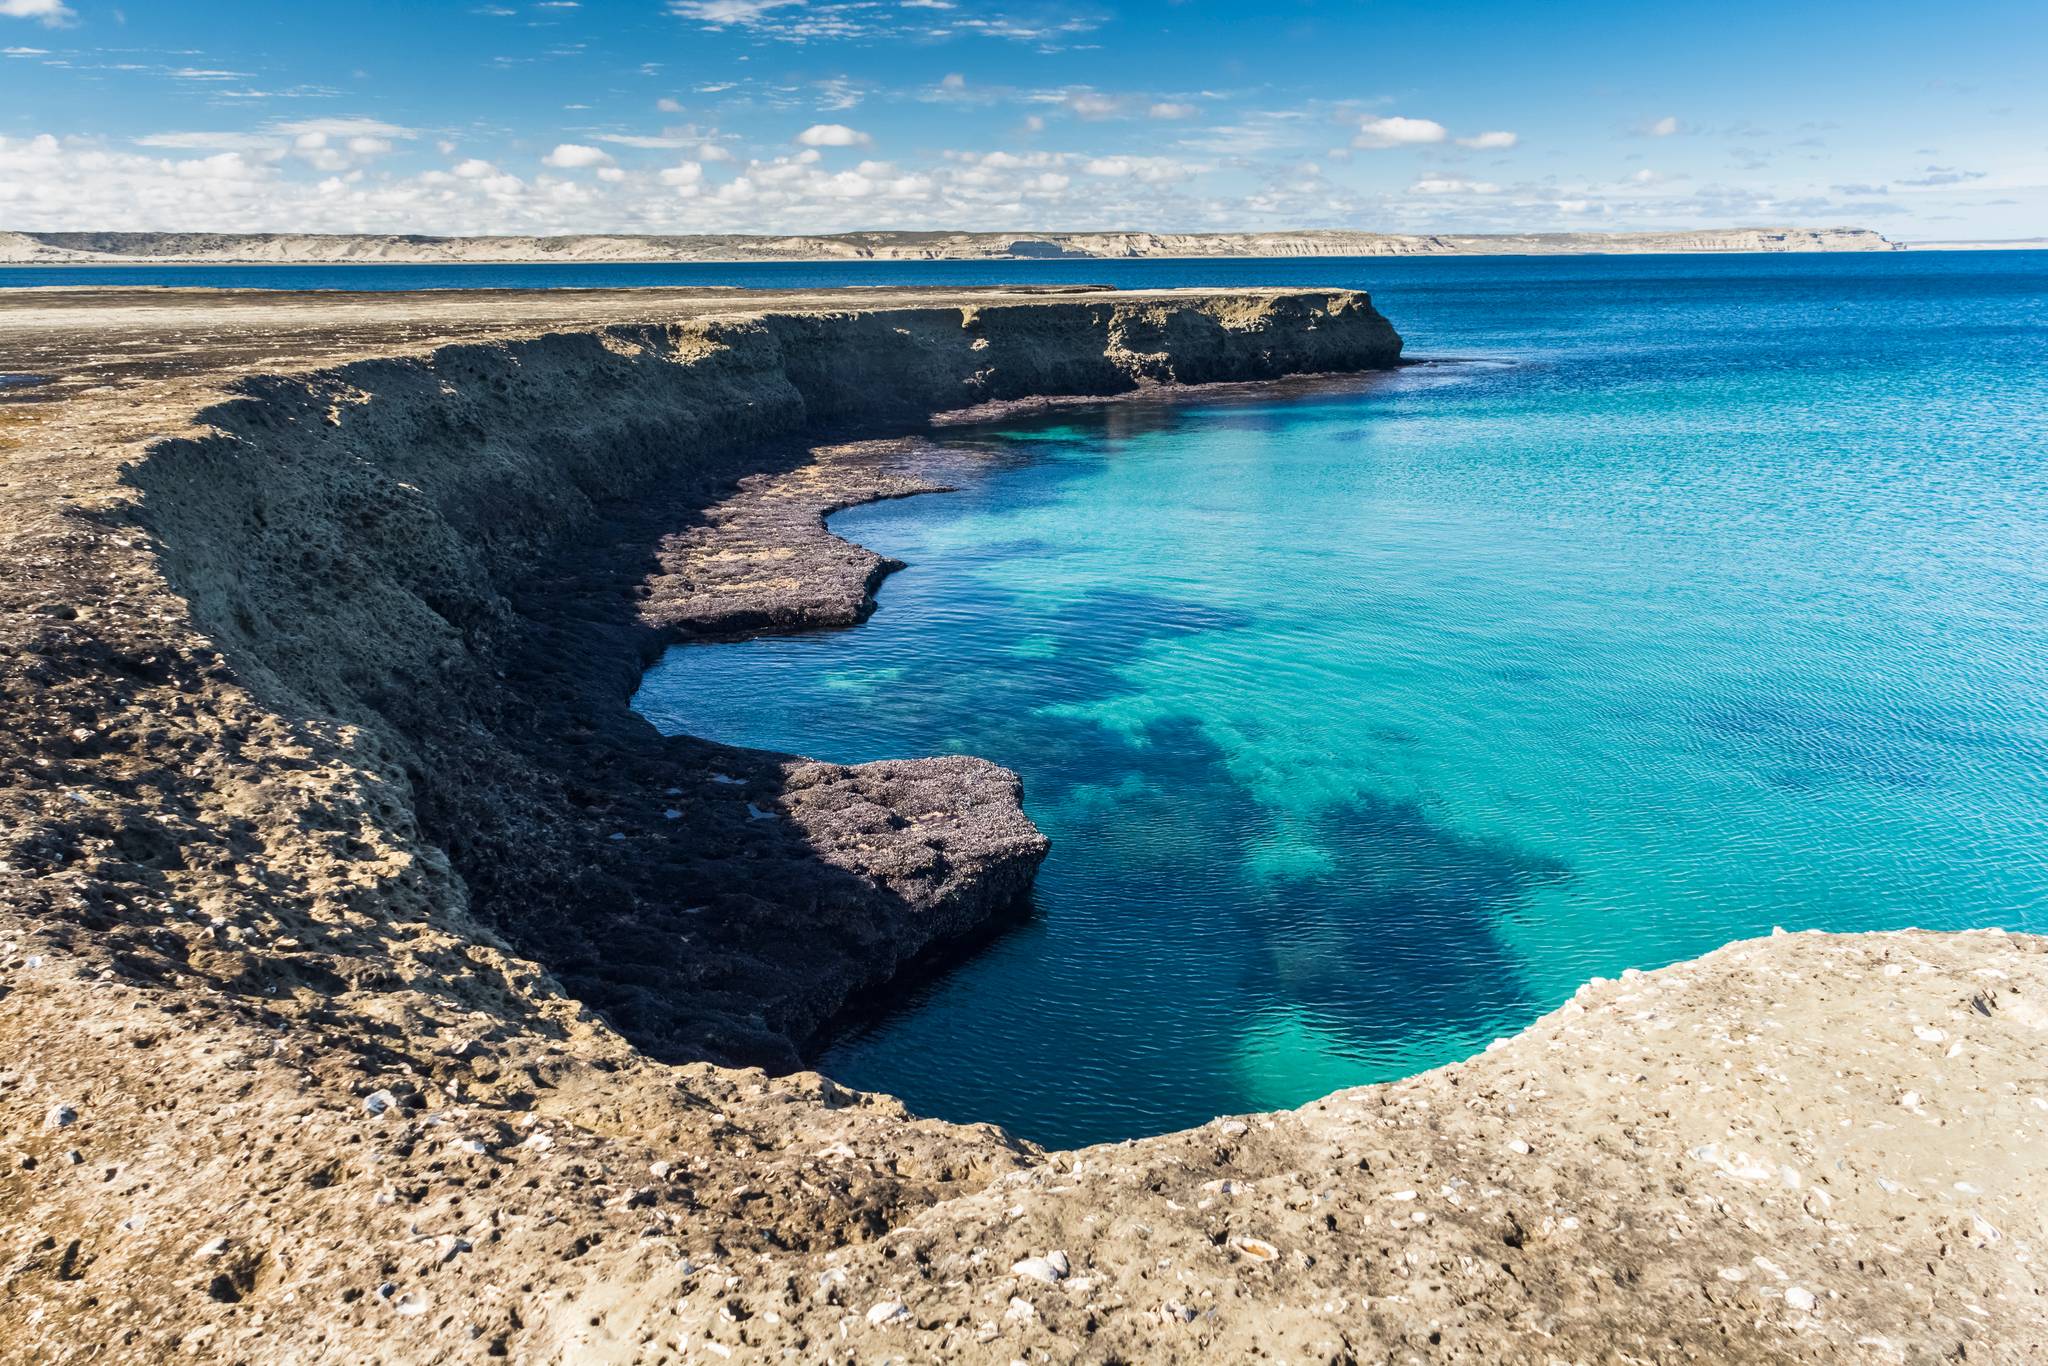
point(376, 985)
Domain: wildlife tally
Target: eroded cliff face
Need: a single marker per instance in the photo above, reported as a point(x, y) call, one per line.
point(444, 554)
point(367, 969)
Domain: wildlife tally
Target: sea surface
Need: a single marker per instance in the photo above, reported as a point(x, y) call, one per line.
point(1692, 597)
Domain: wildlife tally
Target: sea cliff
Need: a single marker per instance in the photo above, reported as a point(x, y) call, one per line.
point(375, 985)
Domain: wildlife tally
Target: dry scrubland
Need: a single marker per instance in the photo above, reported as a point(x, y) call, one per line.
point(374, 986)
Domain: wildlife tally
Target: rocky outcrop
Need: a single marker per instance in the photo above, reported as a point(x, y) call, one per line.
point(82, 248)
point(365, 965)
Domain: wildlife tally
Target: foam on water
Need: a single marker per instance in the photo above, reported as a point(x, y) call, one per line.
point(1367, 725)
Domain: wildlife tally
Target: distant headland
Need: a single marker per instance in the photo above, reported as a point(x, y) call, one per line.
point(159, 248)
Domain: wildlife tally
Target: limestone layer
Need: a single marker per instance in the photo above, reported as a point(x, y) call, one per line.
point(370, 976)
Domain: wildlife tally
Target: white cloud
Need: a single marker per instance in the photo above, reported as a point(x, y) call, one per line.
point(1451, 185)
point(833, 135)
point(344, 128)
point(729, 13)
point(1145, 170)
point(664, 141)
point(570, 156)
point(1090, 104)
point(54, 13)
point(1167, 109)
point(1395, 131)
point(239, 142)
point(475, 169)
point(1497, 140)
point(1662, 128)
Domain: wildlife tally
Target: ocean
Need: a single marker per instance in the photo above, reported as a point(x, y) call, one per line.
point(1678, 599)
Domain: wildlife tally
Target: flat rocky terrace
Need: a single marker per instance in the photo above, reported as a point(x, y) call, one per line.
point(376, 986)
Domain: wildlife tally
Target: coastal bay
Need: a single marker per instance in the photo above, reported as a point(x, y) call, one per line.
point(330, 832)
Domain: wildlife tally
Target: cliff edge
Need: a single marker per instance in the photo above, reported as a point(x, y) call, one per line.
point(376, 986)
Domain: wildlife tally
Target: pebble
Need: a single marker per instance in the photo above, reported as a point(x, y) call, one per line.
point(888, 1311)
point(1800, 1298)
point(1258, 1249)
point(377, 1102)
point(60, 1117)
point(756, 813)
point(213, 1249)
point(1038, 1269)
point(1518, 1147)
point(1233, 1127)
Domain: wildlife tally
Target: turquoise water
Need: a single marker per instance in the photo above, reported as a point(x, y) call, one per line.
point(1700, 596)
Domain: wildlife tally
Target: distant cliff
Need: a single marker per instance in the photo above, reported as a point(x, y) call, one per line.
point(83, 248)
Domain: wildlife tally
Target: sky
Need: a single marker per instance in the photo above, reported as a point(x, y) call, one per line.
point(561, 116)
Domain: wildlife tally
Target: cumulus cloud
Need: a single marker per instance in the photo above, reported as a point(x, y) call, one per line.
point(571, 156)
point(1395, 131)
point(685, 177)
point(1662, 128)
point(833, 135)
point(54, 13)
point(332, 144)
point(1496, 140)
point(1168, 109)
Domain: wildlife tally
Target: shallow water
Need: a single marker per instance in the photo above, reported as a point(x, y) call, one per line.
point(1707, 596)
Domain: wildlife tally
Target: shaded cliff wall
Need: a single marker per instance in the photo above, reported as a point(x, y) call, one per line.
point(445, 554)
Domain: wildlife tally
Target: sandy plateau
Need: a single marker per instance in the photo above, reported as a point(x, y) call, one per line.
point(376, 986)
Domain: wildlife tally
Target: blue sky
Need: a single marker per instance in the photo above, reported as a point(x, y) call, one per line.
point(831, 115)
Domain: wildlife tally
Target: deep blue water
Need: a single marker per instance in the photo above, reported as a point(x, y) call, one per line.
point(1704, 595)
point(1386, 273)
